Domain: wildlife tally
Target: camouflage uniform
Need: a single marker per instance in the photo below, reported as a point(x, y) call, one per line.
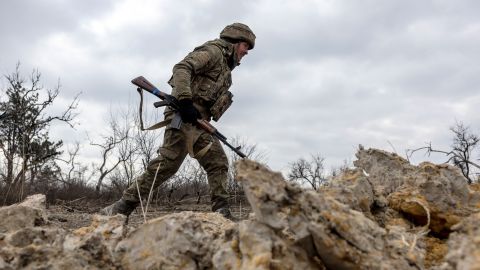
point(203, 76)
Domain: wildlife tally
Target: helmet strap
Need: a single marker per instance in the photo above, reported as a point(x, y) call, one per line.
point(232, 60)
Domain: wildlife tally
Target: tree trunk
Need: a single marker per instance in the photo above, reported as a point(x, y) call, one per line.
point(9, 178)
point(99, 183)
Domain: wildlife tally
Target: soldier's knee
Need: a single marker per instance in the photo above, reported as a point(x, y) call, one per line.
point(218, 167)
point(168, 160)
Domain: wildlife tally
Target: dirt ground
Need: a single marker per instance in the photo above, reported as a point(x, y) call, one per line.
point(73, 215)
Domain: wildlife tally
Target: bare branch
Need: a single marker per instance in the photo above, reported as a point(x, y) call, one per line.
point(463, 145)
point(118, 140)
point(310, 172)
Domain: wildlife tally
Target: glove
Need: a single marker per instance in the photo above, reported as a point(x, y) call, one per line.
point(187, 111)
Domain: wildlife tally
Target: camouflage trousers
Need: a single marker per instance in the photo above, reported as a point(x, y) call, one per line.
point(170, 157)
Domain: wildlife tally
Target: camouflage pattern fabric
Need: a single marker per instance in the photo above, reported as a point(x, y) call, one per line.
point(171, 156)
point(204, 76)
point(221, 105)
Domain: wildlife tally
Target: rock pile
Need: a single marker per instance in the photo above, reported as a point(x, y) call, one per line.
point(383, 214)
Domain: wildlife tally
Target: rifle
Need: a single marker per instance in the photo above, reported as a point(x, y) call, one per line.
point(171, 101)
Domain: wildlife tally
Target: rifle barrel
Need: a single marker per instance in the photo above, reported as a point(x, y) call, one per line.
point(234, 149)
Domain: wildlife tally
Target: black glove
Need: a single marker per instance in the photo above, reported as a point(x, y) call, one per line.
point(187, 111)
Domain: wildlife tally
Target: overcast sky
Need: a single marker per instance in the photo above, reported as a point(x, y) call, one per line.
point(324, 76)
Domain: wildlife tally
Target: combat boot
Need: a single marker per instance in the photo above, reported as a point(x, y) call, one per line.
point(225, 212)
point(121, 206)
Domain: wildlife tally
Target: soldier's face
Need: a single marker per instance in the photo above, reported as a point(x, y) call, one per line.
point(242, 50)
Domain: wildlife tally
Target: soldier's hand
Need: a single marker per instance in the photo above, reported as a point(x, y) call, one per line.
point(188, 112)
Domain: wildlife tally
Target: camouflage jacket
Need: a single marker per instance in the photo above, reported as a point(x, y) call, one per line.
point(205, 76)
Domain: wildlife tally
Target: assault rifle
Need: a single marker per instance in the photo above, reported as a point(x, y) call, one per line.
point(171, 101)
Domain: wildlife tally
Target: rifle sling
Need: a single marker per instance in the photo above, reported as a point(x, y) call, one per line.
point(188, 131)
point(191, 136)
point(140, 110)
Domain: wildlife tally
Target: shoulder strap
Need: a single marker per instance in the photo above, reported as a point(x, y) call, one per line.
point(140, 110)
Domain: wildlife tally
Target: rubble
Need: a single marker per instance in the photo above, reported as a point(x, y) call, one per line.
point(343, 238)
point(185, 240)
point(27, 214)
point(464, 245)
point(436, 196)
point(383, 214)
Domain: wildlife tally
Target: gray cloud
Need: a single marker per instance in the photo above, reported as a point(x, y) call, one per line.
point(324, 77)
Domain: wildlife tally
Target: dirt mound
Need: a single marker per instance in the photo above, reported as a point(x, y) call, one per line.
point(383, 214)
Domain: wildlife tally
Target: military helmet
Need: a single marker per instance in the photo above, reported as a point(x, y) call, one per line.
point(238, 32)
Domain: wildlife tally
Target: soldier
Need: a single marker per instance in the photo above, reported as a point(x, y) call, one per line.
point(200, 82)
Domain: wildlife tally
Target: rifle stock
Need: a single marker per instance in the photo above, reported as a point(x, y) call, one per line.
point(144, 84)
point(169, 100)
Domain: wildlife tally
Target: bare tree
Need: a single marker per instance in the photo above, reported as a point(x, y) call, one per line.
point(197, 178)
point(130, 149)
point(147, 141)
point(252, 151)
point(112, 153)
point(338, 170)
point(73, 170)
point(310, 171)
point(71, 161)
point(464, 143)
